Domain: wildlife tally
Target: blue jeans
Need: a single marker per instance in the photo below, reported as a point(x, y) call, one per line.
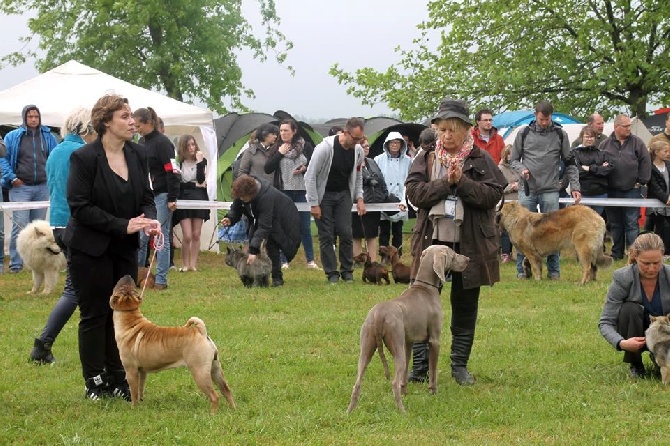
point(2, 237)
point(66, 305)
point(598, 209)
point(162, 256)
point(623, 222)
point(25, 193)
point(548, 202)
point(298, 196)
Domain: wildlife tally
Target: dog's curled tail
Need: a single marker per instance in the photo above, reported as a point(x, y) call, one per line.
point(198, 323)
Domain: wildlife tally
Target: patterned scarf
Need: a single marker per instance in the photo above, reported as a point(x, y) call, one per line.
point(446, 159)
point(296, 148)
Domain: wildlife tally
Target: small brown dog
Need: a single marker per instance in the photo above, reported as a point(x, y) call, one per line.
point(145, 275)
point(657, 338)
point(374, 272)
point(413, 317)
point(145, 347)
point(359, 260)
point(399, 271)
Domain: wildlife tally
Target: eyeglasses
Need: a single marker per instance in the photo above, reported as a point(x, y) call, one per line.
point(625, 126)
point(356, 139)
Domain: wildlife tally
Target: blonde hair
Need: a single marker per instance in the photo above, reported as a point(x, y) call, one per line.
point(656, 147)
point(645, 242)
point(507, 151)
point(78, 122)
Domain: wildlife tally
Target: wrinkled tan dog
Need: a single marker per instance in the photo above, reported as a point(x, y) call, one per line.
point(145, 347)
point(414, 316)
point(538, 235)
point(40, 252)
point(657, 338)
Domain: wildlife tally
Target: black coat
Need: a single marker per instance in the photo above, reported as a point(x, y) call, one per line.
point(374, 185)
point(95, 221)
point(271, 215)
point(657, 187)
point(595, 180)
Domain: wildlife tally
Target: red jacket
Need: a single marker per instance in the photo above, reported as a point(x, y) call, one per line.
point(495, 145)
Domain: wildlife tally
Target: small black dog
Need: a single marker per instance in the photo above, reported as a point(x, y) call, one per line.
point(258, 273)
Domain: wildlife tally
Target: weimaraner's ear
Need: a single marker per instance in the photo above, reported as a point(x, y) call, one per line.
point(440, 263)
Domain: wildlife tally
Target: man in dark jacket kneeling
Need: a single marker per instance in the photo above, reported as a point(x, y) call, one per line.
point(272, 217)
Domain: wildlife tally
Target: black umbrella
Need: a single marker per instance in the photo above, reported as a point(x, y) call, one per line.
point(406, 129)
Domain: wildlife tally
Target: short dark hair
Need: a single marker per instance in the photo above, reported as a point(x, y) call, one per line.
point(246, 186)
point(483, 111)
point(103, 111)
point(545, 108)
point(266, 129)
point(587, 130)
point(334, 130)
point(352, 123)
point(427, 137)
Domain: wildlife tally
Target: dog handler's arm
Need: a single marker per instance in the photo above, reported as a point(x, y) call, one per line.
point(617, 293)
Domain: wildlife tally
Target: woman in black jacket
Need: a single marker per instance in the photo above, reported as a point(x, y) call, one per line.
point(289, 158)
point(272, 217)
point(165, 182)
point(110, 202)
point(658, 219)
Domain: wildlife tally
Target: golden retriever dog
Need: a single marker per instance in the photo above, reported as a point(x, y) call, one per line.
point(145, 347)
point(40, 252)
point(538, 235)
point(657, 338)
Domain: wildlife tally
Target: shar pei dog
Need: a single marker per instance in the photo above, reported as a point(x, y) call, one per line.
point(538, 235)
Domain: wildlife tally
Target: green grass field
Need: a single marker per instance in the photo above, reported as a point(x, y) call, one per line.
point(544, 374)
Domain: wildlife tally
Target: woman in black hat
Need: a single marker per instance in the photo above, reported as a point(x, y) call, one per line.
point(456, 187)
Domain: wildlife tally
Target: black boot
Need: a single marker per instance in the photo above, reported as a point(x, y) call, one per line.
point(419, 372)
point(461, 345)
point(41, 353)
point(97, 387)
point(118, 386)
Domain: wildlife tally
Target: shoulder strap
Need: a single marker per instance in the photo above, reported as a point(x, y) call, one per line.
point(525, 132)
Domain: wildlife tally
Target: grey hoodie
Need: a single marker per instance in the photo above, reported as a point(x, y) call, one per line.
point(316, 176)
point(541, 154)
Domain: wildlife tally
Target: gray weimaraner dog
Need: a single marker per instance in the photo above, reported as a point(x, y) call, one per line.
point(413, 317)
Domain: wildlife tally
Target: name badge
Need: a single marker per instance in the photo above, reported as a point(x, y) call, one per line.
point(450, 206)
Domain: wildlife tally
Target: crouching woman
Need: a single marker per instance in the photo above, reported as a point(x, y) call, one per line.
point(637, 291)
point(272, 217)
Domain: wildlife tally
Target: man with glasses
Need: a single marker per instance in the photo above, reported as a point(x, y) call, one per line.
point(333, 181)
point(24, 173)
point(486, 136)
point(632, 170)
point(597, 123)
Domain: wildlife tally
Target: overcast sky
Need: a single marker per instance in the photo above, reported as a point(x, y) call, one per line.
point(352, 33)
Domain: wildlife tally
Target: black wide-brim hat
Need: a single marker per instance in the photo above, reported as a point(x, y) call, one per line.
point(453, 108)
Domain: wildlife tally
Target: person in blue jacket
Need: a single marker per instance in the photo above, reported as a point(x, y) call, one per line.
point(24, 173)
point(76, 132)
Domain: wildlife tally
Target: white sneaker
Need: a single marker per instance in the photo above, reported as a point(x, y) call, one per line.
point(313, 265)
point(284, 266)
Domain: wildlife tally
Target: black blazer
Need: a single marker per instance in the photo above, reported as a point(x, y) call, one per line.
point(93, 205)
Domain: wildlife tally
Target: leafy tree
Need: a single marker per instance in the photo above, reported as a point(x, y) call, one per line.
point(583, 55)
point(186, 48)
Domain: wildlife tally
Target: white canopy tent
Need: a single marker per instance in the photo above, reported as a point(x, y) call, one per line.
point(58, 91)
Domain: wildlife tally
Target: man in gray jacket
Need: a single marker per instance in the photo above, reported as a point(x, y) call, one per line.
point(333, 181)
point(536, 156)
point(632, 170)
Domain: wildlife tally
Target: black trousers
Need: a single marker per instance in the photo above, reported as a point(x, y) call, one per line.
point(633, 321)
point(390, 231)
point(93, 279)
point(275, 257)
